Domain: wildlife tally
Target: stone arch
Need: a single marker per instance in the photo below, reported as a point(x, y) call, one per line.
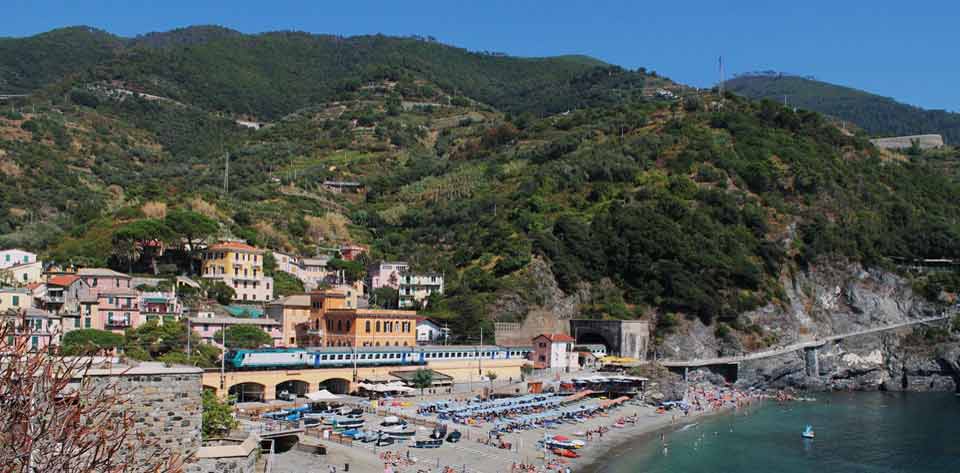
point(296, 387)
point(247, 392)
point(336, 385)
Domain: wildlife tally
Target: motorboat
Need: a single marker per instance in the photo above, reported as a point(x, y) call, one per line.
point(563, 452)
point(399, 431)
point(432, 443)
point(344, 422)
point(390, 421)
point(808, 432)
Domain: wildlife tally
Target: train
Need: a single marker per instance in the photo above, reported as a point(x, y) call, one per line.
point(334, 357)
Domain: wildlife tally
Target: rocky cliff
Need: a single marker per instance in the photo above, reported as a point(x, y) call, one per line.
point(828, 300)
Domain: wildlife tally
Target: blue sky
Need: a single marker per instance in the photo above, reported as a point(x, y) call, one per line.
point(905, 50)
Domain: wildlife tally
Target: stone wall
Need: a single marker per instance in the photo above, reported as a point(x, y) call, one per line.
point(904, 142)
point(166, 404)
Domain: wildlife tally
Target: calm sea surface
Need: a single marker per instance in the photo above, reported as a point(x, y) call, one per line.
point(860, 432)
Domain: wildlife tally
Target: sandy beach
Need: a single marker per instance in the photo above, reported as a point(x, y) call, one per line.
point(478, 453)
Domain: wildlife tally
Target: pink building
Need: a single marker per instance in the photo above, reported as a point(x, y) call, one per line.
point(553, 351)
point(160, 307)
point(40, 328)
point(207, 325)
point(119, 308)
point(386, 274)
point(118, 305)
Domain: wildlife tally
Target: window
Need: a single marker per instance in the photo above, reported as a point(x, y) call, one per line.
point(76, 322)
point(378, 327)
point(94, 283)
point(86, 322)
point(34, 342)
point(16, 301)
point(348, 325)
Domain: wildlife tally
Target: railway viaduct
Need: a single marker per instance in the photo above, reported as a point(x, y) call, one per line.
point(266, 384)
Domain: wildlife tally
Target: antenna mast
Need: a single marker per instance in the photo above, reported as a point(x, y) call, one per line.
point(722, 80)
point(226, 173)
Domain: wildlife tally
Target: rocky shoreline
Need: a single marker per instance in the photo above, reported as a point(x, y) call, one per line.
point(828, 300)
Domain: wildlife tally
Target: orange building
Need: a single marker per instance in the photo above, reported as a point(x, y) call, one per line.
point(370, 328)
point(321, 301)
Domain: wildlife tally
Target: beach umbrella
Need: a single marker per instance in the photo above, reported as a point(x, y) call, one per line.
point(561, 438)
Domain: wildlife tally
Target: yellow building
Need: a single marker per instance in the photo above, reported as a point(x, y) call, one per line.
point(240, 266)
point(15, 298)
point(370, 328)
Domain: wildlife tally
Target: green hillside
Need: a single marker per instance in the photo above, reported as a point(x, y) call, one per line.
point(879, 116)
point(272, 74)
point(647, 206)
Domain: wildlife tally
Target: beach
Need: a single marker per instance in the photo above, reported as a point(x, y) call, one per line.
point(479, 452)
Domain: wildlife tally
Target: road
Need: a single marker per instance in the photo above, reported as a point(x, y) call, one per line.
point(729, 360)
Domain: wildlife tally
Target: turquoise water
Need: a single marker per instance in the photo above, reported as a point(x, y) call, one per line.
point(859, 432)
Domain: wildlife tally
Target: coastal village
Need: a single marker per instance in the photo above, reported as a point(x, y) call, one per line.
point(334, 382)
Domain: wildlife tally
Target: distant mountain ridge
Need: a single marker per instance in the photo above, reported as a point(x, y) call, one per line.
point(879, 116)
point(272, 74)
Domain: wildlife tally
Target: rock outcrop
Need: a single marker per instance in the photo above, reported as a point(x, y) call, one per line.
point(830, 300)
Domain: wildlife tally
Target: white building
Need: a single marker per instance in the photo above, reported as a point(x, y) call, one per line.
point(311, 271)
point(415, 289)
point(554, 352)
point(14, 257)
point(22, 274)
point(430, 332)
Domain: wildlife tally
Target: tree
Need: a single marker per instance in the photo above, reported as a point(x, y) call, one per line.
point(285, 284)
point(385, 298)
point(133, 239)
point(244, 336)
point(352, 270)
point(192, 228)
point(55, 418)
point(223, 293)
point(217, 416)
point(492, 376)
point(422, 379)
point(90, 341)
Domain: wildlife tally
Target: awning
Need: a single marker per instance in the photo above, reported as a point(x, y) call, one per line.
point(322, 395)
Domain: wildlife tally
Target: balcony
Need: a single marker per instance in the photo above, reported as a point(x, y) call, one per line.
point(53, 299)
point(117, 322)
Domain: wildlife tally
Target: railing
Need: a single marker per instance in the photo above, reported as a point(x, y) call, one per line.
point(117, 323)
point(53, 299)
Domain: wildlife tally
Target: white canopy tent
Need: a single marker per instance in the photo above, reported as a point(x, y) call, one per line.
point(322, 396)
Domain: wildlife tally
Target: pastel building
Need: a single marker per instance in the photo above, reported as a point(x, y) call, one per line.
point(14, 257)
point(311, 271)
point(239, 266)
point(430, 332)
point(293, 314)
point(15, 298)
point(415, 289)
point(118, 304)
point(370, 328)
point(207, 324)
point(160, 306)
point(386, 274)
point(39, 328)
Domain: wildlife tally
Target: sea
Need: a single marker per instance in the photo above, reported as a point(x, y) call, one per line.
point(855, 433)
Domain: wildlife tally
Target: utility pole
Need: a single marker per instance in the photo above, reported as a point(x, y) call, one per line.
point(226, 173)
point(188, 338)
point(480, 355)
point(223, 355)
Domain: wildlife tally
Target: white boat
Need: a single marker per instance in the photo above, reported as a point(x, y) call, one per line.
point(808, 432)
point(398, 431)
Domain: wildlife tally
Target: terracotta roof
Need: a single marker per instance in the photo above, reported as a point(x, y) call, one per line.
point(556, 337)
point(63, 280)
point(234, 245)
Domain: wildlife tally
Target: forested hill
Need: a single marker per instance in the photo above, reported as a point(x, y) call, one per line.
point(640, 203)
point(272, 74)
point(880, 116)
